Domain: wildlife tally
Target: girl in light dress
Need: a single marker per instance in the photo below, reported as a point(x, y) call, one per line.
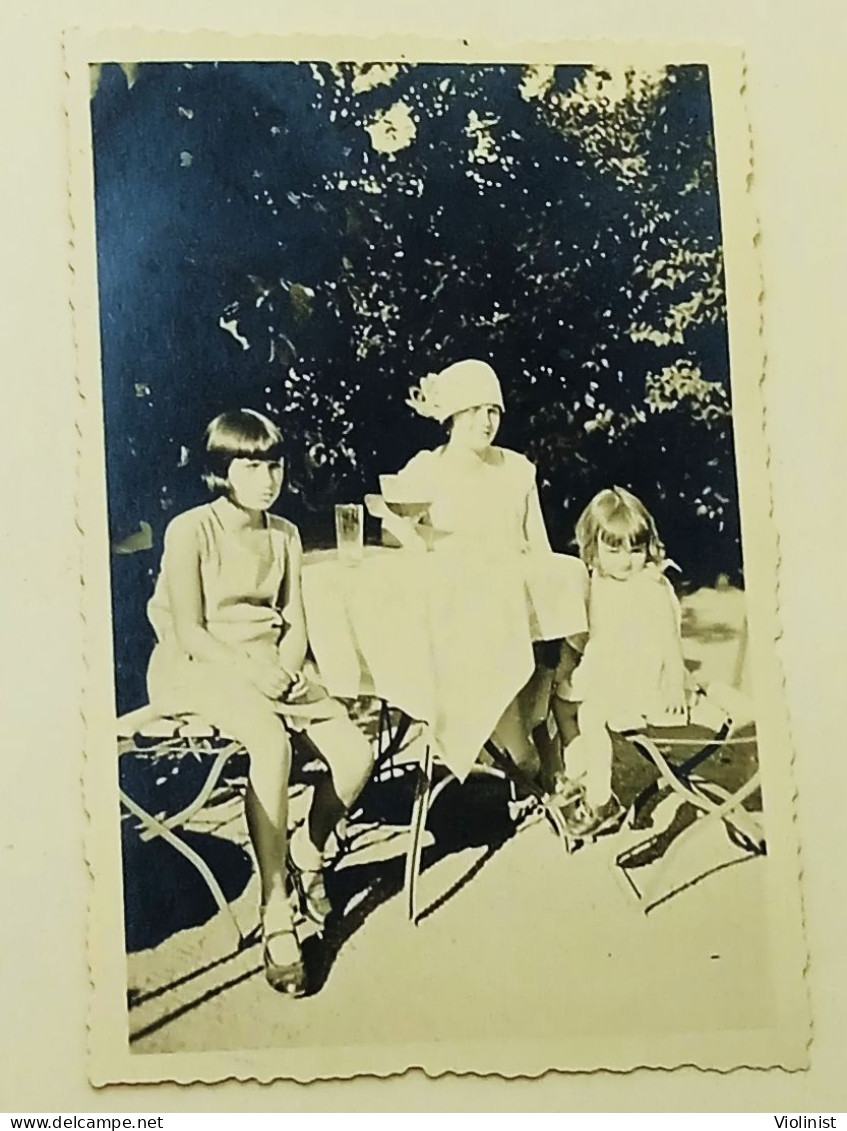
point(632, 672)
point(231, 630)
point(481, 499)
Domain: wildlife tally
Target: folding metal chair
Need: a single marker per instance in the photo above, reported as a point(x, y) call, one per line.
point(144, 732)
point(148, 733)
point(711, 803)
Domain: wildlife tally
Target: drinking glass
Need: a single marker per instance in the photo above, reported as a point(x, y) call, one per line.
point(349, 532)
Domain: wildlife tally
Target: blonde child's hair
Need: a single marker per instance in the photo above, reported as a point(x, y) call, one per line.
point(240, 434)
point(620, 519)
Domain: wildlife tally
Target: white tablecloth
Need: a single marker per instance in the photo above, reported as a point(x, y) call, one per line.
point(446, 636)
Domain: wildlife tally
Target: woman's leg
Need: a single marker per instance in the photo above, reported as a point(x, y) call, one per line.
point(513, 734)
point(566, 714)
point(516, 728)
point(549, 747)
point(564, 708)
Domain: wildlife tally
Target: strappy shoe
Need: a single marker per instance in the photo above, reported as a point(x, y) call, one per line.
point(311, 892)
point(569, 800)
point(587, 823)
point(566, 792)
point(285, 970)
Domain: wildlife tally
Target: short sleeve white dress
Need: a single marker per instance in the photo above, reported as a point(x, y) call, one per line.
point(633, 659)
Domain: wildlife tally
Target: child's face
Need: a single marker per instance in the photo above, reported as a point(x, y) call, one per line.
point(620, 562)
point(475, 428)
point(255, 484)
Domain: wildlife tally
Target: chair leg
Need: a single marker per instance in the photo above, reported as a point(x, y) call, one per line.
point(513, 776)
point(185, 815)
point(158, 828)
point(674, 778)
point(729, 810)
point(420, 809)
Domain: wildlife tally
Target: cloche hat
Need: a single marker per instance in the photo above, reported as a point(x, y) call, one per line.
point(464, 384)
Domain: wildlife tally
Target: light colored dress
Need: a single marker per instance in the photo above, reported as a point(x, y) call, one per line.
point(633, 659)
point(246, 593)
point(495, 588)
point(489, 509)
point(492, 501)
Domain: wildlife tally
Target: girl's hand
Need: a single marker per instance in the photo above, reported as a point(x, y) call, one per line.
point(297, 688)
point(272, 680)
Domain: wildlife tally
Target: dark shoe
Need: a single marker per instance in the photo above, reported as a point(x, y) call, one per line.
point(520, 808)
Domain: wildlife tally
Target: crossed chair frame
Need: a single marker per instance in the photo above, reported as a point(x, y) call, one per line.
point(185, 735)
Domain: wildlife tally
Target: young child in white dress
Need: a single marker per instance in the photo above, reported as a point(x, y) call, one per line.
point(231, 629)
point(631, 673)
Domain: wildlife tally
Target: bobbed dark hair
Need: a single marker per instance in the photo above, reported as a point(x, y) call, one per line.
point(242, 433)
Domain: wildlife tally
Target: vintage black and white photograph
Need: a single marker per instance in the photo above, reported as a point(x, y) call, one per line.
point(437, 727)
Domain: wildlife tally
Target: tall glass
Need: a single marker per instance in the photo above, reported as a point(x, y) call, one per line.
point(349, 532)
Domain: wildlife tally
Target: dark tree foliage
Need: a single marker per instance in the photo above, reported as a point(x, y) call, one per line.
point(310, 240)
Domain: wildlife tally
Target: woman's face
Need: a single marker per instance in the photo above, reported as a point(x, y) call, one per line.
point(475, 428)
point(255, 484)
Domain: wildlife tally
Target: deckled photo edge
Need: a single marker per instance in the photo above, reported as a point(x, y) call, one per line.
point(109, 1062)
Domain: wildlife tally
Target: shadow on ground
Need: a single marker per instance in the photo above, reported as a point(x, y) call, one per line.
point(164, 894)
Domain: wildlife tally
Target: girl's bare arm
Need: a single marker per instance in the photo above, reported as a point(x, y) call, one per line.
point(292, 648)
point(185, 597)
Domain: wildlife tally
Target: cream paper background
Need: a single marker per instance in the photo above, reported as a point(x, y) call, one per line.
point(660, 1042)
point(795, 99)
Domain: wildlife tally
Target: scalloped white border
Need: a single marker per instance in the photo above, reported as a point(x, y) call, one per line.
point(786, 1043)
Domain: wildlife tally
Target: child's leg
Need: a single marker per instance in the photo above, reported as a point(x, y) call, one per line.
point(350, 758)
point(588, 758)
point(240, 710)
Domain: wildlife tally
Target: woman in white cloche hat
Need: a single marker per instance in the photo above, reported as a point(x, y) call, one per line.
point(472, 498)
point(474, 490)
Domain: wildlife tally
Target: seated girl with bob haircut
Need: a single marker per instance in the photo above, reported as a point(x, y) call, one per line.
point(231, 630)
